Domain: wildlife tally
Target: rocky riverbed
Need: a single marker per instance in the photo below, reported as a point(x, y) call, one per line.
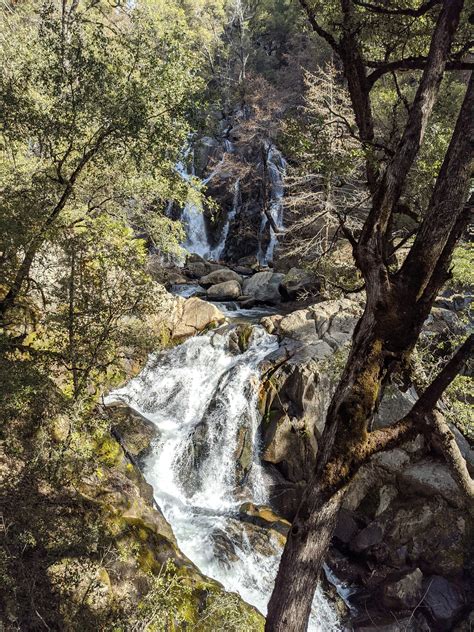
point(401, 553)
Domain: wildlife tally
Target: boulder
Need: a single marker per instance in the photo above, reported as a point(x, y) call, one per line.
point(220, 276)
point(431, 478)
point(197, 269)
point(264, 287)
point(443, 600)
point(135, 431)
point(271, 323)
point(296, 281)
point(226, 291)
point(194, 315)
point(263, 516)
point(243, 270)
point(404, 593)
point(395, 404)
point(299, 325)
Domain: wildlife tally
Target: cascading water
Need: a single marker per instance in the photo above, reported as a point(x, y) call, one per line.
point(202, 397)
point(276, 166)
point(192, 216)
point(216, 253)
point(193, 219)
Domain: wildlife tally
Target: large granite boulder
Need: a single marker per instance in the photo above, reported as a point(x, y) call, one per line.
point(264, 287)
point(226, 291)
point(220, 276)
point(194, 315)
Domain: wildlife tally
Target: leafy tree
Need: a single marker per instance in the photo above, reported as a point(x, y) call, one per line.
point(95, 98)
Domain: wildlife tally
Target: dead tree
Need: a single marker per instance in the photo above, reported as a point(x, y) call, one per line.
point(398, 302)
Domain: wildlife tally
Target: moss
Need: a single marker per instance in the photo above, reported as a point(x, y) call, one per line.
point(244, 333)
point(109, 451)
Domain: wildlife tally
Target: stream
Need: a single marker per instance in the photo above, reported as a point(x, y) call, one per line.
point(200, 395)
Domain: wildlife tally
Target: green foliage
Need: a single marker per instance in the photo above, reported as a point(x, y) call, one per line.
point(459, 399)
point(225, 612)
point(95, 102)
point(164, 606)
point(463, 267)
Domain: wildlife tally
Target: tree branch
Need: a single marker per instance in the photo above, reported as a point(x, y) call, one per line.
point(375, 8)
point(388, 193)
point(317, 27)
point(433, 244)
point(409, 63)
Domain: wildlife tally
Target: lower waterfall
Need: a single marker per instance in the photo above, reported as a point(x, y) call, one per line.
point(202, 395)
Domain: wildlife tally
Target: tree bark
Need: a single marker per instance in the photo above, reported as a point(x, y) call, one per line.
point(387, 331)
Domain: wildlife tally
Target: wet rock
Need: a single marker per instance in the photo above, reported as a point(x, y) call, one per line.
point(220, 276)
point(226, 291)
point(243, 454)
point(404, 593)
point(194, 315)
point(263, 516)
point(298, 281)
point(264, 287)
point(443, 600)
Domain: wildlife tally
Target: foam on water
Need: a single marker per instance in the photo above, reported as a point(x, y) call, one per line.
point(199, 395)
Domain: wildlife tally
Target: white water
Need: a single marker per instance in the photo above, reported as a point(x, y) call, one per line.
point(194, 222)
point(197, 238)
point(201, 388)
point(276, 165)
point(216, 253)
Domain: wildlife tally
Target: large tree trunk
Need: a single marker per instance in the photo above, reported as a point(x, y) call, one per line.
point(386, 333)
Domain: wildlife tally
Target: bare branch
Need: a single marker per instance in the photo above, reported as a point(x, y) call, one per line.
point(409, 63)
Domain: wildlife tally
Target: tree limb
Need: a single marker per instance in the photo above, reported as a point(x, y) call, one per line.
point(409, 63)
point(388, 193)
point(375, 8)
point(317, 28)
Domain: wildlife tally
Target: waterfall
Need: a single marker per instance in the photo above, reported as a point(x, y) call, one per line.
point(276, 165)
point(216, 253)
point(194, 221)
point(202, 397)
point(192, 216)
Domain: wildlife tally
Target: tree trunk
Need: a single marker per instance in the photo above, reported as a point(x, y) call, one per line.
point(302, 559)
